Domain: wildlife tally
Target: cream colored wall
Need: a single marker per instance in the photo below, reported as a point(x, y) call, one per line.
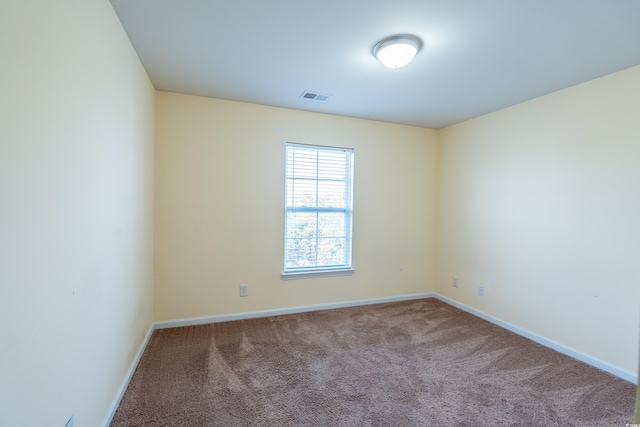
point(540, 203)
point(220, 207)
point(76, 171)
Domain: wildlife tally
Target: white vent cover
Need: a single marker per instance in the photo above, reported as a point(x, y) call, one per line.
point(313, 95)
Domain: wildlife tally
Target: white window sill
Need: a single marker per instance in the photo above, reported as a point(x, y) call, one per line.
point(317, 273)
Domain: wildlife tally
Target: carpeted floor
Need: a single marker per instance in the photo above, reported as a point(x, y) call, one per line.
point(414, 363)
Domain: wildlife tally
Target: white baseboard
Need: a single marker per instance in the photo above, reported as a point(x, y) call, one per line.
point(127, 378)
point(281, 311)
point(597, 363)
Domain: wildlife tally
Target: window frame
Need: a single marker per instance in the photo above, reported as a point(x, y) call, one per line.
point(321, 271)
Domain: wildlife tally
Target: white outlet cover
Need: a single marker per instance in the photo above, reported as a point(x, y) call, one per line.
point(244, 290)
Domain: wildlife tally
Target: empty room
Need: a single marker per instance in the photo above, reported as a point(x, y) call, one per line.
point(264, 213)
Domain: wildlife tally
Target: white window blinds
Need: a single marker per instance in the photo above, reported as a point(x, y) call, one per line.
point(318, 208)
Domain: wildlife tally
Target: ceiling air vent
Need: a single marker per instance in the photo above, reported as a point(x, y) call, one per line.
point(314, 96)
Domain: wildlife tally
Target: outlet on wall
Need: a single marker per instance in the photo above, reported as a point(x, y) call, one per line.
point(244, 290)
point(481, 290)
point(455, 282)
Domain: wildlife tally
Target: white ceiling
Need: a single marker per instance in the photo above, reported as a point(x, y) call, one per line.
point(479, 55)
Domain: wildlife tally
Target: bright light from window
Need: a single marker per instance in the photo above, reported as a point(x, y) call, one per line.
point(318, 208)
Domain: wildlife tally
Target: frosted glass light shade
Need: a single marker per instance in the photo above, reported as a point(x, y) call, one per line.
point(397, 51)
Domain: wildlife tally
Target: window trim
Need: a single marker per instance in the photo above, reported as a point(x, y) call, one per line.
point(322, 271)
point(317, 272)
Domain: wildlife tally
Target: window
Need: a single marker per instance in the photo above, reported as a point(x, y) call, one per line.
point(318, 210)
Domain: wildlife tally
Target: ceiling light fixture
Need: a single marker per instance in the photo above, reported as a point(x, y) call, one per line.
point(397, 51)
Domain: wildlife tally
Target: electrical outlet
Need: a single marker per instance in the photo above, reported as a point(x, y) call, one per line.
point(455, 282)
point(244, 290)
point(69, 423)
point(481, 290)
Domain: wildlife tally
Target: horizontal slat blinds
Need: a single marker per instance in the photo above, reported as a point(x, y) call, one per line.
point(318, 208)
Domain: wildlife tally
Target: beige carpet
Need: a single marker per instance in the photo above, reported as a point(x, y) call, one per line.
point(415, 363)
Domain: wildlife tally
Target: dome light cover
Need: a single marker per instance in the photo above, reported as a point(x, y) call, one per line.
point(397, 51)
